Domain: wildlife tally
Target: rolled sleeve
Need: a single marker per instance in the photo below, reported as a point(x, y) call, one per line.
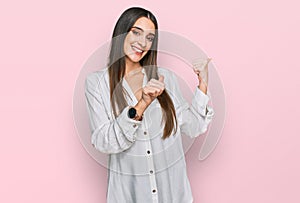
point(107, 135)
point(127, 125)
point(193, 119)
point(200, 102)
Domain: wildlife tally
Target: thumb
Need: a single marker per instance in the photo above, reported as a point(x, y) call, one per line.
point(161, 78)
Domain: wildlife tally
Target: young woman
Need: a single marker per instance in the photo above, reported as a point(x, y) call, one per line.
point(137, 115)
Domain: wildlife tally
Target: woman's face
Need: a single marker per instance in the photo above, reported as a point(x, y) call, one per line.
point(139, 39)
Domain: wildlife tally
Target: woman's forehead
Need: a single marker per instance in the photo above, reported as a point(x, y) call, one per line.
point(145, 24)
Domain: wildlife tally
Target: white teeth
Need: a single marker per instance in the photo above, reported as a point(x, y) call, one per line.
point(136, 49)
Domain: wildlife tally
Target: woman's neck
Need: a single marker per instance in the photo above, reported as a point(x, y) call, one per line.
point(130, 66)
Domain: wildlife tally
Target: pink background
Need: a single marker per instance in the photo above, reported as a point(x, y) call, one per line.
point(254, 45)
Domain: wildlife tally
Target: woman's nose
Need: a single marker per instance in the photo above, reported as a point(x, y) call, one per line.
point(142, 41)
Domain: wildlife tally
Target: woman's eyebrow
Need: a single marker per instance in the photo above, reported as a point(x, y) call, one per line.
point(137, 28)
point(142, 29)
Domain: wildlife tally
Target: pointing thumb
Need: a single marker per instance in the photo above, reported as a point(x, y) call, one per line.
point(161, 78)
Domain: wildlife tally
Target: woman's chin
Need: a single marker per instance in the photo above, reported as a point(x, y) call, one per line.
point(135, 59)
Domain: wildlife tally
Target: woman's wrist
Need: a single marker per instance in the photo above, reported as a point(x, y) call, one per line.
point(203, 87)
point(140, 107)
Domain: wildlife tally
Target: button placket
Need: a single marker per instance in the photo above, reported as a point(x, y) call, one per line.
point(149, 156)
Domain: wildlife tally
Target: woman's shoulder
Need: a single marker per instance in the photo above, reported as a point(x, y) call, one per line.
point(97, 80)
point(97, 76)
point(167, 73)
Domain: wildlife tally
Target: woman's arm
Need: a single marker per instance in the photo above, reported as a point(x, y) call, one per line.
point(193, 119)
point(108, 135)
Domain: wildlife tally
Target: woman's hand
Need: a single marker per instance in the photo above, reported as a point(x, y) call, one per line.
point(153, 89)
point(200, 67)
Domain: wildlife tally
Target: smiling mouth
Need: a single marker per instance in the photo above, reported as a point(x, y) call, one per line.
point(137, 50)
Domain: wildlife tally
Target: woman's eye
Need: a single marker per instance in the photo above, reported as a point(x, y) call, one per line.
point(150, 39)
point(135, 32)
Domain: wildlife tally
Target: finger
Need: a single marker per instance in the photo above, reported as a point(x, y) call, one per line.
point(159, 81)
point(155, 92)
point(150, 90)
point(196, 70)
point(208, 60)
point(160, 92)
point(161, 78)
point(157, 84)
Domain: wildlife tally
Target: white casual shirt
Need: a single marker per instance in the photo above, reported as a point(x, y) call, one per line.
point(142, 166)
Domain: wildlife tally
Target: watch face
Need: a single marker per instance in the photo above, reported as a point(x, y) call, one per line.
point(131, 112)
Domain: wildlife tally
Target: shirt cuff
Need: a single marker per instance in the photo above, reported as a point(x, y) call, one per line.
point(127, 125)
point(200, 101)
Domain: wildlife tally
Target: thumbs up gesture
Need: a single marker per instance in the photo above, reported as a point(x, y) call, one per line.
point(200, 67)
point(153, 89)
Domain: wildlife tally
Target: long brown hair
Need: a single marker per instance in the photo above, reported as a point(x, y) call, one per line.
point(149, 62)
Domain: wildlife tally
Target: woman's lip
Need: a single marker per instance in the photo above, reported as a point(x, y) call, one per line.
point(135, 49)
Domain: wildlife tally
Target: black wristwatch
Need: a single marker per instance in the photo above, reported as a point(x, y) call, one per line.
point(133, 114)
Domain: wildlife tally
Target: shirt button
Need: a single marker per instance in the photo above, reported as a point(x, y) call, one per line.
point(145, 133)
point(151, 171)
point(153, 191)
point(148, 151)
point(134, 125)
